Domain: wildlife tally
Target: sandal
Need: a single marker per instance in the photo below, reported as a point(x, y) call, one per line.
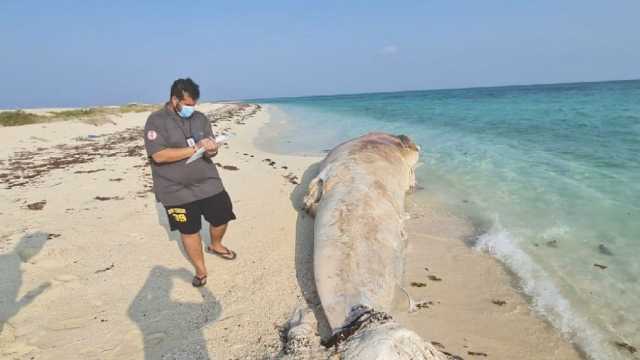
point(228, 255)
point(199, 281)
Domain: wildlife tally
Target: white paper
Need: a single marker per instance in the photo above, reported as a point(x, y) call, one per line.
point(197, 155)
point(221, 139)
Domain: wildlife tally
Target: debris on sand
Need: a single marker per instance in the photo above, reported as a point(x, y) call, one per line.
point(418, 284)
point(105, 269)
point(477, 353)
point(603, 267)
point(37, 205)
point(230, 167)
point(499, 302)
point(292, 178)
point(237, 113)
point(625, 346)
point(87, 171)
point(105, 198)
point(424, 304)
point(26, 167)
point(434, 278)
point(453, 356)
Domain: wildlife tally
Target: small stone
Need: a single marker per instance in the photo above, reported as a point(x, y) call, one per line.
point(603, 249)
point(37, 205)
point(552, 243)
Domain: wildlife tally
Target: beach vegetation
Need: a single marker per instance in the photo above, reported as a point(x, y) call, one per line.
point(93, 115)
point(19, 117)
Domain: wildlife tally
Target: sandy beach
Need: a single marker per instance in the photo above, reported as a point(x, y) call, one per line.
point(89, 270)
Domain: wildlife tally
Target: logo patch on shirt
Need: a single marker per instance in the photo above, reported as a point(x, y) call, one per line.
point(152, 135)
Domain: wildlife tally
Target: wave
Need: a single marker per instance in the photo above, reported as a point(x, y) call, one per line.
point(546, 299)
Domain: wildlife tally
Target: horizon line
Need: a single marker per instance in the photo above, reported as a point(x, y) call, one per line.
point(257, 100)
point(434, 89)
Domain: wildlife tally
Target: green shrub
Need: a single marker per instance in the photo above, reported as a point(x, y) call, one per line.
point(19, 117)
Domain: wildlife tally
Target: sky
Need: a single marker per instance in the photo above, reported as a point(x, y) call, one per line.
point(83, 53)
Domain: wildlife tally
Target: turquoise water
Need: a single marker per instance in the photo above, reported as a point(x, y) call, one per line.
point(549, 174)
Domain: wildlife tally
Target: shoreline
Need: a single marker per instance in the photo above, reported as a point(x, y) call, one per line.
point(470, 297)
point(475, 303)
point(90, 247)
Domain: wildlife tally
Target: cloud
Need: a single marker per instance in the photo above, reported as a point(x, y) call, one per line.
point(390, 49)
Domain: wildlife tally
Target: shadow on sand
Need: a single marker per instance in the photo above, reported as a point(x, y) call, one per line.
point(11, 276)
point(172, 329)
point(304, 252)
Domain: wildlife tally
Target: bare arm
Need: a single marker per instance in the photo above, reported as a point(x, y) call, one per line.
point(170, 155)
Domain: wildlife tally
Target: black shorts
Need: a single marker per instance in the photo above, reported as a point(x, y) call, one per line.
point(217, 210)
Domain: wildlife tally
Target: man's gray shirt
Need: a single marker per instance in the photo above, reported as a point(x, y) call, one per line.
point(178, 183)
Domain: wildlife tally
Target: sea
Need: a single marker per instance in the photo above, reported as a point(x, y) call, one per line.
point(549, 175)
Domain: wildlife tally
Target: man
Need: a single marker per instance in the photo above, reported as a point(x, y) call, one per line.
point(188, 191)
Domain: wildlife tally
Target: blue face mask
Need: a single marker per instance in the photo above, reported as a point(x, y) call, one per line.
point(186, 111)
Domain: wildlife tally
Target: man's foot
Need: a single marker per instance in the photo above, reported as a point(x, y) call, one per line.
point(199, 281)
point(225, 254)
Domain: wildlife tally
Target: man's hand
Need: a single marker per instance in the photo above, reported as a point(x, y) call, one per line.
point(210, 146)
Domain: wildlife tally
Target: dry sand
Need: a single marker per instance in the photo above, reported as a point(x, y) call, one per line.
point(88, 269)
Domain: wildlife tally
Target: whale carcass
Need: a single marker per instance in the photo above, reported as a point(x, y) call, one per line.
point(357, 199)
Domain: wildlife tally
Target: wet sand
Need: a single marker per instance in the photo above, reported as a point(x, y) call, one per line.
point(473, 306)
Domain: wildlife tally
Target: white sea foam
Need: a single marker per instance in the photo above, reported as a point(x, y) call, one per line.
point(546, 298)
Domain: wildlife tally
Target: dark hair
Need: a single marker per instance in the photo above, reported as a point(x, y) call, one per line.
point(187, 86)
